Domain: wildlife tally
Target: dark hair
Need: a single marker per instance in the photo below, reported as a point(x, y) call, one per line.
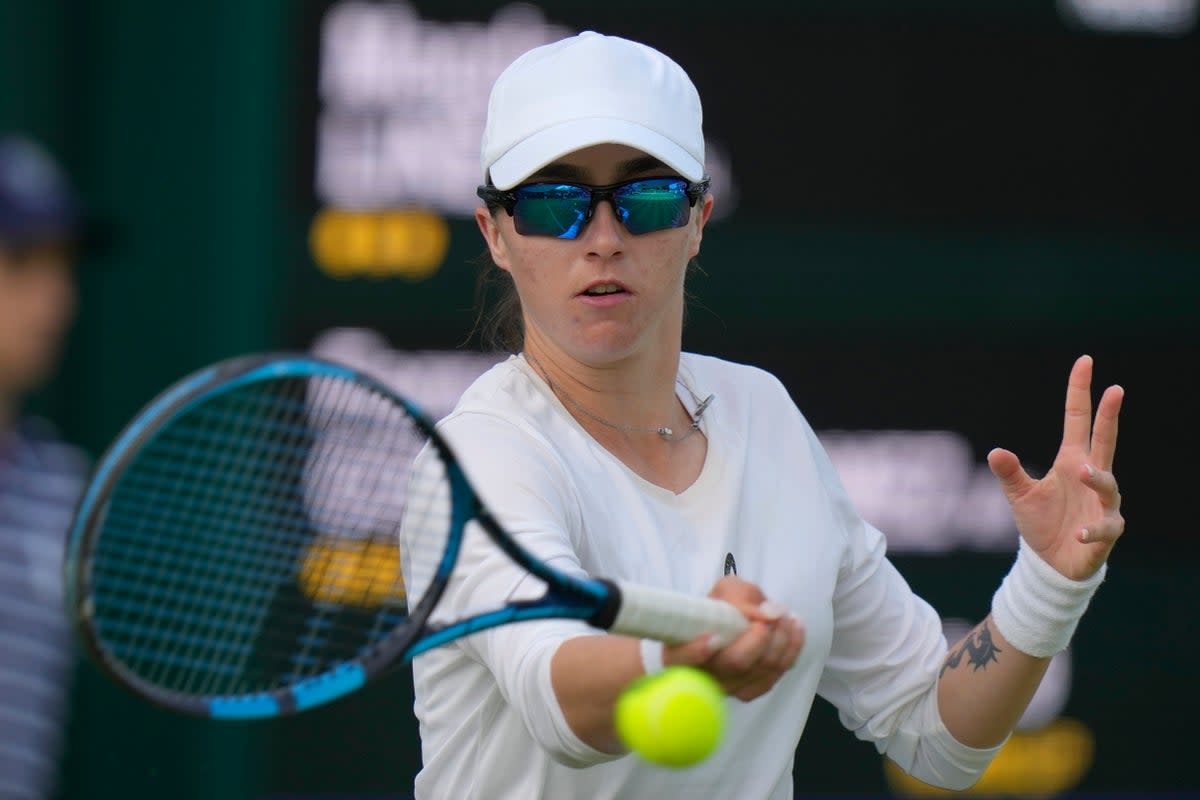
point(499, 320)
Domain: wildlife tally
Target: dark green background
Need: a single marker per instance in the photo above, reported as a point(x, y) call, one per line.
point(940, 207)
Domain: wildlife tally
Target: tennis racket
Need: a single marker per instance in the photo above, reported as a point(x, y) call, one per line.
point(237, 553)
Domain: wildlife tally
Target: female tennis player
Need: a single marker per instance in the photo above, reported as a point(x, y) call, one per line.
point(608, 451)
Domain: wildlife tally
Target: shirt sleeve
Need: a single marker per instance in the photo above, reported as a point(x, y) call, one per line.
point(518, 479)
point(887, 651)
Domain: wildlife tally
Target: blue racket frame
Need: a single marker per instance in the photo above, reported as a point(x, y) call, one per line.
point(594, 601)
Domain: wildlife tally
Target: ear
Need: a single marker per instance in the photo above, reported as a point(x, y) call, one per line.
point(700, 219)
point(492, 235)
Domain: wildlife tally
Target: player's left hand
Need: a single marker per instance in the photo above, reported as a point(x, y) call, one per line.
point(1072, 516)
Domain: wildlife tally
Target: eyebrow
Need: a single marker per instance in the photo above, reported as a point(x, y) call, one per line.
point(560, 170)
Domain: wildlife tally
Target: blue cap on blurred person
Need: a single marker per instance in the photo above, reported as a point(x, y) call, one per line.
point(37, 201)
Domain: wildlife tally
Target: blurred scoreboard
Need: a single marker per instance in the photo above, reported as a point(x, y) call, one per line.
point(873, 163)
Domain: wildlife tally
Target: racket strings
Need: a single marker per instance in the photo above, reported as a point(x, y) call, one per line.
point(249, 440)
point(426, 523)
point(253, 541)
point(354, 564)
point(206, 484)
point(234, 447)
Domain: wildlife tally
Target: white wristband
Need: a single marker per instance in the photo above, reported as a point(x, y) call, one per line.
point(1036, 608)
point(652, 656)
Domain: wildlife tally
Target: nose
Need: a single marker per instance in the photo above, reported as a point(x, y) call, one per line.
point(604, 232)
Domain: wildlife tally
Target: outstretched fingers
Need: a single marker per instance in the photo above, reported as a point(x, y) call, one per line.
point(1111, 525)
point(1007, 468)
point(1104, 433)
point(1104, 484)
point(1077, 421)
point(1103, 531)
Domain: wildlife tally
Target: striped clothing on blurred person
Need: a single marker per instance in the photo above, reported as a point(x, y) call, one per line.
point(40, 482)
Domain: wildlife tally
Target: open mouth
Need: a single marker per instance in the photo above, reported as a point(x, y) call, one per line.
point(601, 289)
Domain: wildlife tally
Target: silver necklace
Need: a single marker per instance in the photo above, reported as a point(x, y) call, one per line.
point(662, 430)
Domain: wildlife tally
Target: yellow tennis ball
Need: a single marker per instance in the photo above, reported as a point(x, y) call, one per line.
point(674, 718)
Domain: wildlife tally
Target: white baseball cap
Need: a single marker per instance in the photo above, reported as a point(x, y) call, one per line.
point(586, 90)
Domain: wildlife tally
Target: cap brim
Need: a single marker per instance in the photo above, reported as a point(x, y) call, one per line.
point(550, 144)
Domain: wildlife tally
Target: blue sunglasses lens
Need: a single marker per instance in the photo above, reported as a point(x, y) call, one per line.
point(653, 205)
point(551, 209)
point(562, 209)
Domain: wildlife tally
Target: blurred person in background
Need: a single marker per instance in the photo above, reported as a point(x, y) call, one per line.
point(40, 475)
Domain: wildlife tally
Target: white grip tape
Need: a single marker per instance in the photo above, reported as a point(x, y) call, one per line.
point(672, 617)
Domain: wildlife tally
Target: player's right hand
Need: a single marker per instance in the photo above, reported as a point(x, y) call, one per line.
point(750, 665)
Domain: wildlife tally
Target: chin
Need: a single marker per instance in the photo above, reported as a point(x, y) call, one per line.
point(602, 353)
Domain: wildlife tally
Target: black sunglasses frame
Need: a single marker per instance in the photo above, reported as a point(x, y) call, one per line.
point(507, 198)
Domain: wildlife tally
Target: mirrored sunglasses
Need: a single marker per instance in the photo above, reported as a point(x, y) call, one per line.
point(562, 210)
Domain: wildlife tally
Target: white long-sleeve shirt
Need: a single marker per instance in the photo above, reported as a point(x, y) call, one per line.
point(490, 724)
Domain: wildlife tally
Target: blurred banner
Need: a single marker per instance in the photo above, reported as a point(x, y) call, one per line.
point(926, 211)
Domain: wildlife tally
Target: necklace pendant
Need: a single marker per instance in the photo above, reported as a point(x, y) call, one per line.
point(665, 432)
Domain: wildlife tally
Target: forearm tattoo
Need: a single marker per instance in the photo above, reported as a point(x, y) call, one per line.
point(978, 647)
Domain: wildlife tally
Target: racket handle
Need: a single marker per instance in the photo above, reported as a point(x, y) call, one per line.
point(673, 618)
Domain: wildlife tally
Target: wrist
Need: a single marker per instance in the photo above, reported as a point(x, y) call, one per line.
point(1036, 608)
